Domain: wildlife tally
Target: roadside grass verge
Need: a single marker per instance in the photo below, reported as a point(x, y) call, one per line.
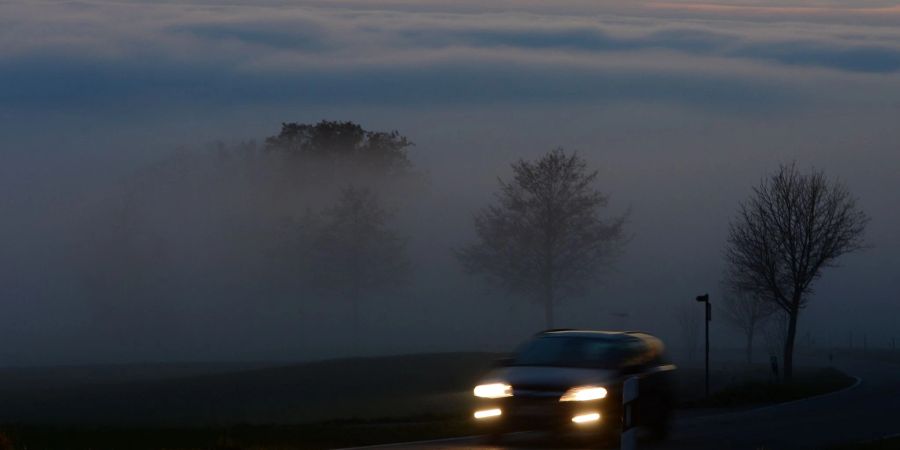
point(805, 384)
point(326, 435)
point(309, 392)
point(880, 444)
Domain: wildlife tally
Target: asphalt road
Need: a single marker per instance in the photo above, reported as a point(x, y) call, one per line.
point(869, 410)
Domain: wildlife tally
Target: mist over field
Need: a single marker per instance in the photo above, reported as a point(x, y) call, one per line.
point(138, 221)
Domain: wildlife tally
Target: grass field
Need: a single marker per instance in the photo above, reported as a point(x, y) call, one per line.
point(268, 437)
point(755, 391)
point(363, 388)
point(322, 404)
point(881, 444)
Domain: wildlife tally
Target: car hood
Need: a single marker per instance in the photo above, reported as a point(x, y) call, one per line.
point(556, 378)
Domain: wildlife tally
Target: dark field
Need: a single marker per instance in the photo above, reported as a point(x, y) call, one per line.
point(396, 386)
point(880, 444)
point(757, 389)
point(311, 405)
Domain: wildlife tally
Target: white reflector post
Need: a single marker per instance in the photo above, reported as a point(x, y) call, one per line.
point(630, 390)
point(629, 399)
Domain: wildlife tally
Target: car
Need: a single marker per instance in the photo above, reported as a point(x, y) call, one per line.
point(568, 379)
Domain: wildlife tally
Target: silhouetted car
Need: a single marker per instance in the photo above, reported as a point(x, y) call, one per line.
point(573, 379)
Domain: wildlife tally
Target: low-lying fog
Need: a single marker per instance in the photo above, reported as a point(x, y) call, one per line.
point(129, 234)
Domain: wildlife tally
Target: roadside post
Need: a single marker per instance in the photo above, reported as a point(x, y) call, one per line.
point(705, 300)
point(629, 418)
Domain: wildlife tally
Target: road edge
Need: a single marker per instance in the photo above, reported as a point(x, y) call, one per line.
point(855, 384)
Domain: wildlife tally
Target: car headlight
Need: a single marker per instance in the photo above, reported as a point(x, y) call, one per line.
point(583, 394)
point(493, 390)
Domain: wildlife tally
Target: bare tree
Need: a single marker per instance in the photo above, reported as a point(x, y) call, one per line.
point(792, 227)
point(356, 255)
point(774, 332)
point(689, 324)
point(544, 237)
point(747, 312)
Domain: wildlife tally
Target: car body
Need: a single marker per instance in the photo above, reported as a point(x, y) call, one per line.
point(573, 379)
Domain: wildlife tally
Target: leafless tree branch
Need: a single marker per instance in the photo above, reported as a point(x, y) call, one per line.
point(793, 226)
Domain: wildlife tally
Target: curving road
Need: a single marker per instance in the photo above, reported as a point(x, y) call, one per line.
point(868, 410)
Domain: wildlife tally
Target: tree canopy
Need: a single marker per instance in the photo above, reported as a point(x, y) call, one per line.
point(343, 144)
point(544, 237)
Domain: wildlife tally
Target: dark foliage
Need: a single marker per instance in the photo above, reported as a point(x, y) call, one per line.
point(343, 144)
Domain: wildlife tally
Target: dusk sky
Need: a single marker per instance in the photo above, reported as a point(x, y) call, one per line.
point(682, 106)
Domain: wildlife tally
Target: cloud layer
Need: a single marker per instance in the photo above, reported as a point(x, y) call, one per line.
point(399, 52)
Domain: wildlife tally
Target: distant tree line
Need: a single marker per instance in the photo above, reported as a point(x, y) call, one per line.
point(351, 249)
point(546, 237)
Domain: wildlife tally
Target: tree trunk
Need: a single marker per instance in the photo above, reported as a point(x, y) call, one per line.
point(355, 326)
point(789, 344)
point(548, 280)
point(750, 345)
point(548, 308)
point(354, 302)
point(548, 288)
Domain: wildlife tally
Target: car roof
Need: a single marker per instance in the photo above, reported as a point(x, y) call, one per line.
point(593, 333)
point(653, 343)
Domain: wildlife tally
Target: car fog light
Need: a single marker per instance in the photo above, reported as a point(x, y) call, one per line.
point(485, 413)
point(584, 418)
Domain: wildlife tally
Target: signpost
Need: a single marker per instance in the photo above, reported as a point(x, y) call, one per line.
point(705, 300)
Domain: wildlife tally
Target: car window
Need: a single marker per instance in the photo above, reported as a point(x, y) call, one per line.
point(568, 351)
point(634, 353)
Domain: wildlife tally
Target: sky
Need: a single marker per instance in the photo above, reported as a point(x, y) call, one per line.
point(682, 107)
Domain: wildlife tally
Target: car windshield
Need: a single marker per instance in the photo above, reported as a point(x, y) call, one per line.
point(570, 351)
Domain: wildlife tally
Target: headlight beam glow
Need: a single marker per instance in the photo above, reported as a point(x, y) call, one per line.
point(583, 394)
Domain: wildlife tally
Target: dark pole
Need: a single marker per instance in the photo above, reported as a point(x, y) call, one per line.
point(705, 299)
point(708, 317)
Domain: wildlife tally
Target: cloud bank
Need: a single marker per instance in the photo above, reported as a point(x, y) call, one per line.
point(444, 52)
